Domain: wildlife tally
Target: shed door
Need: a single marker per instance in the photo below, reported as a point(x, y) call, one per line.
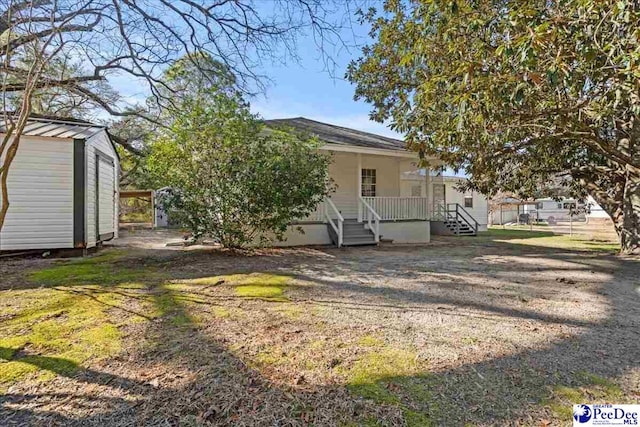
point(105, 194)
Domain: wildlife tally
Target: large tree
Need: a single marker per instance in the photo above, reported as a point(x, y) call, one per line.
point(230, 178)
point(138, 39)
point(516, 92)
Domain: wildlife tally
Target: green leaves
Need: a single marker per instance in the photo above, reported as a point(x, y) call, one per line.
point(230, 178)
point(515, 92)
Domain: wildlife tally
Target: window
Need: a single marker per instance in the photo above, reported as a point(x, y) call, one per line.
point(468, 201)
point(569, 205)
point(539, 205)
point(559, 205)
point(416, 190)
point(368, 182)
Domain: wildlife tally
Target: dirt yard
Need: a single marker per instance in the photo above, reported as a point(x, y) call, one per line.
point(507, 328)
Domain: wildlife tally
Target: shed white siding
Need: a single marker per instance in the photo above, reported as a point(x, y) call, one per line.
point(40, 187)
point(108, 210)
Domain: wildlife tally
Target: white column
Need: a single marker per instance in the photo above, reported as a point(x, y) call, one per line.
point(429, 191)
point(359, 185)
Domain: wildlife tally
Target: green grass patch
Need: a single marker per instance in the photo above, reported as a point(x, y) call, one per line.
point(548, 240)
point(101, 269)
point(268, 287)
point(392, 376)
point(54, 331)
point(370, 341)
point(589, 388)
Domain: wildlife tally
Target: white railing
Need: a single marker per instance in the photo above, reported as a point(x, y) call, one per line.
point(330, 210)
point(399, 208)
point(371, 217)
point(317, 215)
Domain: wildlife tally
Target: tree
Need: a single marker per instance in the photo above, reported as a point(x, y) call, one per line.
point(517, 93)
point(138, 39)
point(232, 179)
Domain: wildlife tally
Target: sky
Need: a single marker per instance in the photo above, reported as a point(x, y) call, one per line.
point(304, 87)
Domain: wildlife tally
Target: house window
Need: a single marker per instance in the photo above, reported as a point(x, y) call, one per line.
point(416, 190)
point(368, 183)
point(468, 201)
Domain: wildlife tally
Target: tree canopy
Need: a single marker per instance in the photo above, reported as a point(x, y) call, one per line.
point(228, 177)
point(517, 93)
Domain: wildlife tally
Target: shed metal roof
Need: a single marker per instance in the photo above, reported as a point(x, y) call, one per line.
point(340, 135)
point(58, 128)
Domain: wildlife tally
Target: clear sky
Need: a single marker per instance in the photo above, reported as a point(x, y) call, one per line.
point(304, 87)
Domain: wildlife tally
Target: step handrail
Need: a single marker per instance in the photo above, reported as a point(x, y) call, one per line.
point(462, 214)
point(372, 216)
point(338, 228)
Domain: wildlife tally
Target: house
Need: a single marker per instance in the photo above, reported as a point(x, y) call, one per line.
point(62, 187)
point(371, 203)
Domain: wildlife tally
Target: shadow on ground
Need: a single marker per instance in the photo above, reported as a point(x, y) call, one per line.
point(199, 375)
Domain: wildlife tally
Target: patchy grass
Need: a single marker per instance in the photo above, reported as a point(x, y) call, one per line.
point(546, 239)
point(588, 388)
point(370, 341)
point(374, 336)
point(267, 287)
point(99, 269)
point(392, 376)
point(54, 331)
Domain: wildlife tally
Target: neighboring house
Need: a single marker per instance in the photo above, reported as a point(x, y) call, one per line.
point(369, 203)
point(550, 210)
point(62, 186)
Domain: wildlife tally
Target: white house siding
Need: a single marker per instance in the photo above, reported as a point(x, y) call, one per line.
point(40, 187)
point(406, 231)
point(314, 234)
point(344, 171)
point(480, 209)
point(101, 142)
point(416, 186)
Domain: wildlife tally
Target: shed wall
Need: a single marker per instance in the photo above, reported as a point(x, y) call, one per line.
point(40, 187)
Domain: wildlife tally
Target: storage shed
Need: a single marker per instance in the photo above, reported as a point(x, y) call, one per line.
point(62, 187)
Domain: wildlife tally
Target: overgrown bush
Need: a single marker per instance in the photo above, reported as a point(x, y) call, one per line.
point(233, 179)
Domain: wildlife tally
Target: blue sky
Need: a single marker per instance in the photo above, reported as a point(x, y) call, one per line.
point(304, 87)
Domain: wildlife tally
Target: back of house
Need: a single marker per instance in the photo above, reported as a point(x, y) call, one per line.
point(383, 193)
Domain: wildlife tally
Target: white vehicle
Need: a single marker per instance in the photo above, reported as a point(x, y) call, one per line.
point(552, 211)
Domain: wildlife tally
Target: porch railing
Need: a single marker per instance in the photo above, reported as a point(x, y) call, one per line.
point(399, 208)
point(457, 215)
point(330, 211)
point(318, 215)
point(372, 218)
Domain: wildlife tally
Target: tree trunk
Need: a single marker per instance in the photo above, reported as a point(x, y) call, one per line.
point(628, 226)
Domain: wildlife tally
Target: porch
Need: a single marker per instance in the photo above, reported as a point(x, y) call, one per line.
point(372, 201)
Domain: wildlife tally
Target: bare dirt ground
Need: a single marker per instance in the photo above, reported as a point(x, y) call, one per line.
point(492, 330)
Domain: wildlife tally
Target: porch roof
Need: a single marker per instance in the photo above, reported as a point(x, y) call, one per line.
point(339, 135)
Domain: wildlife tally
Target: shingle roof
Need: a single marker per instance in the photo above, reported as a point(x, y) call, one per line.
point(58, 128)
point(340, 135)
